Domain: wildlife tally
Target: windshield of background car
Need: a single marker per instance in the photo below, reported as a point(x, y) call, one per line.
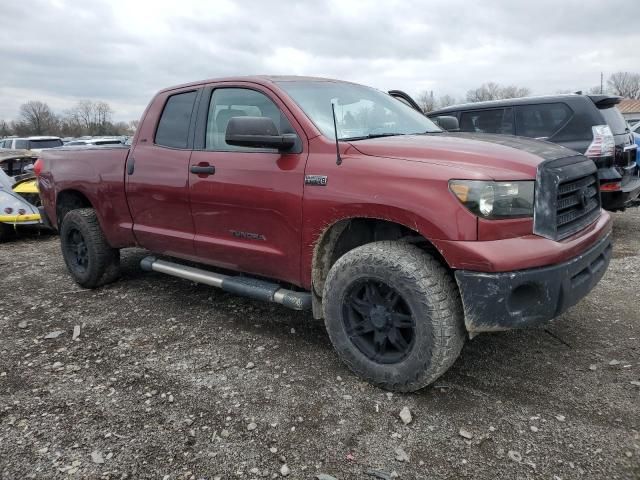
point(45, 143)
point(361, 112)
point(614, 119)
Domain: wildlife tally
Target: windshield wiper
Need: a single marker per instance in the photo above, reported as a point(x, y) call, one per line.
point(373, 135)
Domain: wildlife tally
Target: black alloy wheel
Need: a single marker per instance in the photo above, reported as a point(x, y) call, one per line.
point(77, 251)
point(378, 321)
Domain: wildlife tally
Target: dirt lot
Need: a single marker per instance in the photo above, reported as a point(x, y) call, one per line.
point(174, 380)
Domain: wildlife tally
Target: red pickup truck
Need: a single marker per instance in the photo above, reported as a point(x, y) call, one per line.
point(335, 197)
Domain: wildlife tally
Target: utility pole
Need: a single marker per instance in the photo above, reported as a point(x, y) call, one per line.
point(601, 83)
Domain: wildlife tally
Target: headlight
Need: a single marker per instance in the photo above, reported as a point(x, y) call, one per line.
point(495, 200)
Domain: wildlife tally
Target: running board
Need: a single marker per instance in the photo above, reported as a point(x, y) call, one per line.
point(247, 287)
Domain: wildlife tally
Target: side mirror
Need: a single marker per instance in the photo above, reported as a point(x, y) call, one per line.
point(447, 122)
point(257, 132)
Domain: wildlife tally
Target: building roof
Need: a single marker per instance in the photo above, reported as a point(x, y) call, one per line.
point(629, 105)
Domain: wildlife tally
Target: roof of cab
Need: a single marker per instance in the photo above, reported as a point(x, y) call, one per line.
point(259, 79)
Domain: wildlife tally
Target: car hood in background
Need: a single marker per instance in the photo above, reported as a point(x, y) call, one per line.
point(503, 157)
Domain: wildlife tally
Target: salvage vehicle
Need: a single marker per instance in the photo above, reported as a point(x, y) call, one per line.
point(589, 124)
point(19, 202)
point(334, 197)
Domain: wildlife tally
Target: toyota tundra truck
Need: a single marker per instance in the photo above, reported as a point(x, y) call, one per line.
point(334, 197)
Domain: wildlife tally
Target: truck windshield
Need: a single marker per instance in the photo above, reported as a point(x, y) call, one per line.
point(361, 112)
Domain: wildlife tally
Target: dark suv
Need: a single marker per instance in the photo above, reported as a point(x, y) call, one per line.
point(589, 124)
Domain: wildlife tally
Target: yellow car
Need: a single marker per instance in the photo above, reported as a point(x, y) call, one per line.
point(19, 199)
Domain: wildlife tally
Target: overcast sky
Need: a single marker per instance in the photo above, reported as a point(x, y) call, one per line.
point(60, 51)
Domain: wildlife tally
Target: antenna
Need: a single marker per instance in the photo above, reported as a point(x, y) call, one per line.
point(335, 130)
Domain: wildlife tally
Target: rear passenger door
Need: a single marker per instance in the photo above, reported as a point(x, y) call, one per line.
point(157, 175)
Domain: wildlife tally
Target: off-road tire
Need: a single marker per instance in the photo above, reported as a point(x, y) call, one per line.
point(429, 292)
point(102, 261)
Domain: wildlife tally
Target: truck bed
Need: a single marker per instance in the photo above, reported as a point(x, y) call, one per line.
point(95, 175)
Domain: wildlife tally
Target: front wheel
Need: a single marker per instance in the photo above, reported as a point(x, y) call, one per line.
point(88, 256)
point(394, 315)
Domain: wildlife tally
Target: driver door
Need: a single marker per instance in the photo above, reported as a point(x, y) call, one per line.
point(246, 203)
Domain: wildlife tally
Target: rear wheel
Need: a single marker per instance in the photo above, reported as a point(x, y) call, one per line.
point(394, 315)
point(88, 256)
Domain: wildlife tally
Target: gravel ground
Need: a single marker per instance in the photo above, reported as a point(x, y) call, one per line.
point(173, 380)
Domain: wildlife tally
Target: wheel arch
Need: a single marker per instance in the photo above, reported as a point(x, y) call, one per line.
point(346, 234)
point(70, 199)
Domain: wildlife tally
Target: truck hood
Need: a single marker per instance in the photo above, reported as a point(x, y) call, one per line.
point(501, 157)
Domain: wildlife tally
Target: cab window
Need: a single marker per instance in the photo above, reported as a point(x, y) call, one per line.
point(173, 128)
point(227, 103)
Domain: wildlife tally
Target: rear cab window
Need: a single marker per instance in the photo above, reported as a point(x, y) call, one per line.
point(173, 127)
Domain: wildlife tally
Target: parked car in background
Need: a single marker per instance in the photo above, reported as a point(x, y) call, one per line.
point(333, 197)
point(94, 141)
point(35, 144)
point(19, 198)
point(588, 124)
point(17, 162)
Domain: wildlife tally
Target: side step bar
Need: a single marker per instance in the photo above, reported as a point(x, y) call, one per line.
point(248, 287)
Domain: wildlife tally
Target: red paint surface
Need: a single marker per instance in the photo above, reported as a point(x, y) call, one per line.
point(167, 209)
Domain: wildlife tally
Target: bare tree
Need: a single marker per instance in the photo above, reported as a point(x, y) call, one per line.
point(426, 101)
point(486, 91)
point(90, 118)
point(5, 129)
point(446, 101)
point(625, 84)
point(512, 91)
point(494, 91)
point(37, 118)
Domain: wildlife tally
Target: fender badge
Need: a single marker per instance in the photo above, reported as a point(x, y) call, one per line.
point(319, 180)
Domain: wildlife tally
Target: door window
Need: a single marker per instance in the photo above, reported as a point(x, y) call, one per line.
point(227, 103)
point(498, 120)
point(173, 128)
point(541, 121)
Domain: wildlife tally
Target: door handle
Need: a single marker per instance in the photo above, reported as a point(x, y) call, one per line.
point(203, 169)
point(131, 164)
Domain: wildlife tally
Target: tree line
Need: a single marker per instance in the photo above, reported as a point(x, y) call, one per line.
point(87, 117)
point(624, 84)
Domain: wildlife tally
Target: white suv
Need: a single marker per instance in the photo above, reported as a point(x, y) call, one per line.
point(31, 143)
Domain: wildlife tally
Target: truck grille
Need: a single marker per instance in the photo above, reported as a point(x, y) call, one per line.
point(567, 197)
point(578, 204)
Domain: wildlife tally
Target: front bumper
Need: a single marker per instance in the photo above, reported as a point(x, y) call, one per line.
point(508, 300)
point(27, 219)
